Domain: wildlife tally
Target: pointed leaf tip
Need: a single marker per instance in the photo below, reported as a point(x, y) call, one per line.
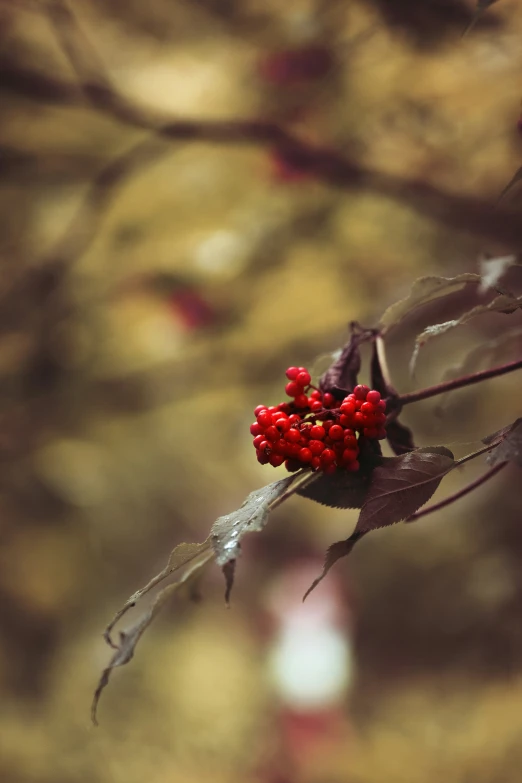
point(333, 554)
point(509, 448)
point(229, 570)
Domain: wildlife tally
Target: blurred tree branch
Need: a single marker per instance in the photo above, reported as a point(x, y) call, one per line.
point(334, 168)
point(40, 286)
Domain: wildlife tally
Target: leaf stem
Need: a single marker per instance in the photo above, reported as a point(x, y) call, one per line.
point(380, 347)
point(474, 454)
point(302, 479)
point(457, 495)
point(457, 383)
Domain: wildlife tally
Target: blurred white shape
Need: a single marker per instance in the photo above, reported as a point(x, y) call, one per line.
point(222, 253)
point(310, 662)
point(311, 666)
point(492, 269)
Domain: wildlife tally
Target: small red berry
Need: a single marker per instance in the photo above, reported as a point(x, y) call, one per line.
point(258, 410)
point(283, 425)
point(316, 405)
point(328, 400)
point(304, 378)
point(317, 432)
point(345, 420)
point(382, 405)
point(358, 419)
point(305, 455)
point(316, 395)
point(294, 419)
point(292, 465)
point(264, 419)
point(256, 429)
point(262, 458)
point(367, 407)
point(327, 456)
point(316, 447)
point(276, 460)
point(350, 442)
point(258, 440)
point(280, 446)
point(301, 401)
point(361, 391)
point(293, 435)
point(327, 425)
point(348, 407)
point(349, 455)
point(370, 432)
point(374, 397)
point(293, 389)
point(292, 373)
point(315, 463)
point(336, 432)
point(272, 433)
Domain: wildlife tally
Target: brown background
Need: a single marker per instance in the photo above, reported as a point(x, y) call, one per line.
point(124, 428)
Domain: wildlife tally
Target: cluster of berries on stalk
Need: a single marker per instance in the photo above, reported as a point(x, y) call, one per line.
point(315, 430)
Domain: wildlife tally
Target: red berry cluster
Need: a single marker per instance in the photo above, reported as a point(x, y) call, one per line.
point(314, 430)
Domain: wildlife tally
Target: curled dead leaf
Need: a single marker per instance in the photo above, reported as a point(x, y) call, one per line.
point(425, 290)
point(509, 448)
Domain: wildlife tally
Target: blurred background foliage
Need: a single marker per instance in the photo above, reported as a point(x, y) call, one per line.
point(154, 289)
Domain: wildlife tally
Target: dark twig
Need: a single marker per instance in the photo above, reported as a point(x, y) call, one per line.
point(457, 383)
point(331, 166)
point(457, 495)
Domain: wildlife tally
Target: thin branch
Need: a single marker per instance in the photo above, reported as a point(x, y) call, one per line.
point(332, 167)
point(82, 55)
point(101, 93)
point(457, 495)
point(457, 383)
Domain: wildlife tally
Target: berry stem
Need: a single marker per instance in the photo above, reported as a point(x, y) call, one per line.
point(457, 383)
point(457, 495)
